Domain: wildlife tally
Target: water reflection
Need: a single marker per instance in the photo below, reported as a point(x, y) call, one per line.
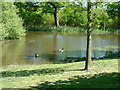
point(32, 59)
point(96, 54)
point(47, 45)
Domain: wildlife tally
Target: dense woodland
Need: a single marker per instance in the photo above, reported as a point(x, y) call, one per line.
point(48, 16)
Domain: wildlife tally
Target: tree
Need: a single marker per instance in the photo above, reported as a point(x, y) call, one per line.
point(74, 15)
point(113, 10)
point(53, 7)
point(11, 23)
point(30, 13)
point(89, 30)
point(100, 18)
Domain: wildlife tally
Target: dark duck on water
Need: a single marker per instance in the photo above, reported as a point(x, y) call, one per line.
point(36, 55)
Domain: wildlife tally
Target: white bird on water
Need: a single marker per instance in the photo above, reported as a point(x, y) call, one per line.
point(61, 50)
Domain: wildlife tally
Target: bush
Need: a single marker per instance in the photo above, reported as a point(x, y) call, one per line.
point(11, 25)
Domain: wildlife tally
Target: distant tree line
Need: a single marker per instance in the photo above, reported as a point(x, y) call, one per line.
point(68, 14)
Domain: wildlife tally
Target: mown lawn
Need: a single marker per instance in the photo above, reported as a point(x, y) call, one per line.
point(103, 74)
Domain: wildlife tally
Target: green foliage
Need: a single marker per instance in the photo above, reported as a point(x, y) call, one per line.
point(70, 14)
point(48, 7)
point(11, 24)
point(48, 19)
point(69, 29)
point(60, 29)
point(103, 31)
point(113, 10)
point(30, 13)
point(100, 18)
point(73, 15)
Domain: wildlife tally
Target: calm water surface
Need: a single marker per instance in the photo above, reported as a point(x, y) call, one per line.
point(20, 52)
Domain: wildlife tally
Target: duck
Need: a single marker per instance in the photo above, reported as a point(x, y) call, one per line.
point(36, 55)
point(61, 50)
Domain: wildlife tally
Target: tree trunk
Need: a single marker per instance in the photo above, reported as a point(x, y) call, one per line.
point(56, 17)
point(88, 51)
point(104, 22)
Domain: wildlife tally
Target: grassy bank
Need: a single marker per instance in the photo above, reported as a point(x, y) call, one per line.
point(71, 29)
point(103, 74)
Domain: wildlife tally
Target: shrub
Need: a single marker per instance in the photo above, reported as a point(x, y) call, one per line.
point(11, 25)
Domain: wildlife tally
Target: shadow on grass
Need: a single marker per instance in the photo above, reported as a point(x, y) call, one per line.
point(102, 80)
point(32, 72)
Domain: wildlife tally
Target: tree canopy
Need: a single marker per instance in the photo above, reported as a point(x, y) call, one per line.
point(67, 13)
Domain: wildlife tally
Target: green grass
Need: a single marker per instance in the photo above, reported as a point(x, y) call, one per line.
point(70, 29)
point(103, 74)
point(59, 29)
point(106, 31)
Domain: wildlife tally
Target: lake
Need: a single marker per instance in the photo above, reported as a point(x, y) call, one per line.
point(46, 45)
